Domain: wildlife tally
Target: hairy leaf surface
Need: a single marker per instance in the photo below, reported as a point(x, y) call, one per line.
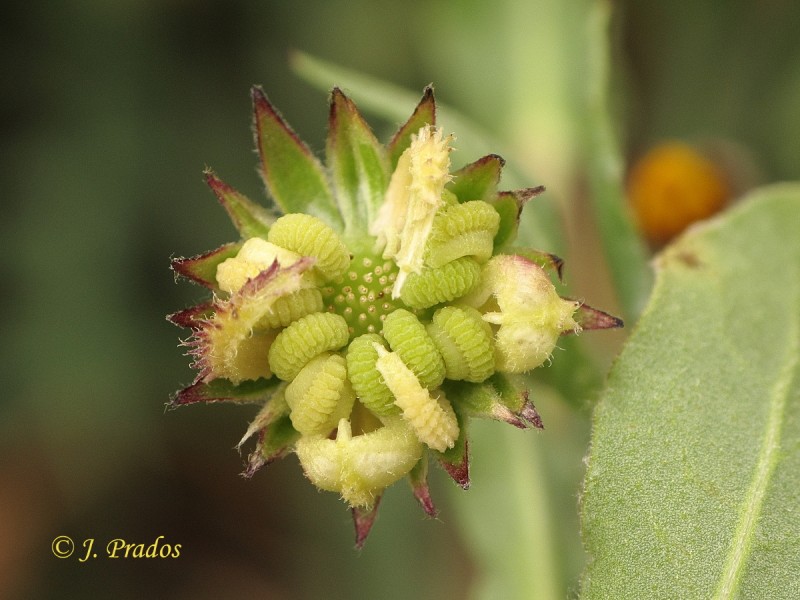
point(693, 482)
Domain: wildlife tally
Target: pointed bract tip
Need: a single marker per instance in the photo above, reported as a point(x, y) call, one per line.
point(201, 269)
point(212, 180)
point(505, 414)
point(526, 194)
point(219, 187)
point(423, 495)
point(255, 461)
point(363, 520)
point(261, 457)
point(459, 469)
point(337, 98)
point(424, 114)
point(188, 395)
point(490, 158)
point(262, 106)
point(193, 317)
point(426, 104)
point(258, 95)
point(341, 103)
point(590, 318)
point(338, 102)
point(530, 414)
point(558, 264)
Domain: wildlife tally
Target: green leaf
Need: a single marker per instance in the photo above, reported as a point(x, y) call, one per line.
point(295, 178)
point(477, 180)
point(693, 482)
point(424, 114)
point(358, 164)
point(202, 268)
point(249, 218)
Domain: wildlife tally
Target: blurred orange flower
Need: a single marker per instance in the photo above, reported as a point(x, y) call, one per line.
point(671, 187)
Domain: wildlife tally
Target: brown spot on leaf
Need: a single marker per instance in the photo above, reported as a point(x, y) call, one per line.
point(689, 259)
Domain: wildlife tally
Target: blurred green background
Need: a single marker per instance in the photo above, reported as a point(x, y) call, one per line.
point(109, 112)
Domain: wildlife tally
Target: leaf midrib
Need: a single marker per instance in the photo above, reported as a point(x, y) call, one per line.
point(767, 459)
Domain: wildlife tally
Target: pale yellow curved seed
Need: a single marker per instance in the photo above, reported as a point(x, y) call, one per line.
point(255, 256)
point(360, 467)
point(428, 413)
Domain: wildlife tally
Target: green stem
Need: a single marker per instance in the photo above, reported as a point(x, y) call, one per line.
point(624, 250)
point(507, 517)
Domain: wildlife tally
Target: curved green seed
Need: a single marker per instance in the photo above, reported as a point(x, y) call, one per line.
point(291, 307)
point(320, 395)
point(466, 229)
point(309, 236)
point(365, 378)
point(442, 284)
point(304, 339)
point(449, 199)
point(468, 216)
point(408, 338)
point(465, 342)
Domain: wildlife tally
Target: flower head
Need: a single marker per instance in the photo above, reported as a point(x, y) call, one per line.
point(376, 308)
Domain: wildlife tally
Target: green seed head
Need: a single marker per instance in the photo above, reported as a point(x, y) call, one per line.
point(380, 312)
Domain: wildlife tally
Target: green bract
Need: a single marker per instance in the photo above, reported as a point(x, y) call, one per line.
point(386, 282)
